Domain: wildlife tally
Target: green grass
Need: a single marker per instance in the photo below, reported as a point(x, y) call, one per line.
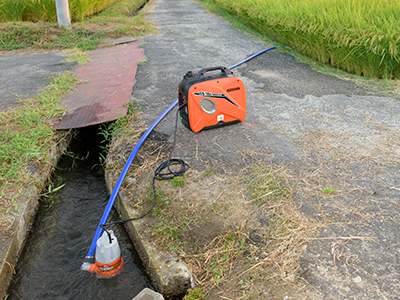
point(25, 134)
point(112, 129)
point(357, 36)
point(14, 36)
point(18, 36)
point(26, 137)
point(196, 293)
point(80, 38)
point(113, 22)
point(45, 10)
point(178, 181)
point(329, 190)
point(77, 55)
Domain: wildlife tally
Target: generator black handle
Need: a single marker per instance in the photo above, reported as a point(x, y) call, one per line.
point(225, 70)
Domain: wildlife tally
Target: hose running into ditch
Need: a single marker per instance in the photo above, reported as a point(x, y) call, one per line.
point(130, 159)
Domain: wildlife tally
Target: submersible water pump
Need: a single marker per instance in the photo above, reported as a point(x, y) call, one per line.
point(108, 260)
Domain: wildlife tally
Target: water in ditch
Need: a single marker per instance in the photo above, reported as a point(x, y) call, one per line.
point(49, 265)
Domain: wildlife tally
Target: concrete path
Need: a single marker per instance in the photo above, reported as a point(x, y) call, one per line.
point(23, 76)
point(326, 130)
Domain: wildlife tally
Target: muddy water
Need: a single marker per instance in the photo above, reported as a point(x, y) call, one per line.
point(49, 267)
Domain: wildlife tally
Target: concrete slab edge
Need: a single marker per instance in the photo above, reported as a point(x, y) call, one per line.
point(148, 294)
point(170, 276)
point(28, 201)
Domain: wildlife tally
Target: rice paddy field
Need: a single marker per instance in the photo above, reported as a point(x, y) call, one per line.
point(359, 36)
point(45, 10)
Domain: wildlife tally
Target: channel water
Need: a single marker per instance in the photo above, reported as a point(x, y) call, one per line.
point(49, 265)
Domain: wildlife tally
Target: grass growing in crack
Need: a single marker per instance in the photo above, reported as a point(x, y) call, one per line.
point(76, 55)
point(230, 247)
point(170, 234)
point(207, 173)
point(329, 190)
point(169, 226)
point(162, 198)
point(26, 137)
point(217, 261)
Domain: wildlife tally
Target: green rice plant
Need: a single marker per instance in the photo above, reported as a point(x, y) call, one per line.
point(12, 10)
point(354, 35)
point(123, 8)
point(41, 10)
point(79, 9)
point(45, 10)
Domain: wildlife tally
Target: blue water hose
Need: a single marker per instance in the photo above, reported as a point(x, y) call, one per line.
point(251, 57)
point(131, 157)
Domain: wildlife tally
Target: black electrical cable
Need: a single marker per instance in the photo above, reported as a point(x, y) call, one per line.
point(160, 174)
point(108, 233)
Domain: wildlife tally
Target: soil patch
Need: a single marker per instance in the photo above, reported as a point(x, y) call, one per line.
point(241, 235)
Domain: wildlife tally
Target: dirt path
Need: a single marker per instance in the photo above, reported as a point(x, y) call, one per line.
point(336, 144)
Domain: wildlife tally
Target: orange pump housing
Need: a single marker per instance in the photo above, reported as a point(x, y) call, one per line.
point(107, 270)
point(211, 100)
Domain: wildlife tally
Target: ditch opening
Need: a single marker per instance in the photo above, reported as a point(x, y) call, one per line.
point(66, 220)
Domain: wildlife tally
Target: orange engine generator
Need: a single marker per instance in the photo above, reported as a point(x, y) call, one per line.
point(211, 98)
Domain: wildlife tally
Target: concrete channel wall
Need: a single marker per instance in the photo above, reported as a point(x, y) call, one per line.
point(171, 277)
point(13, 241)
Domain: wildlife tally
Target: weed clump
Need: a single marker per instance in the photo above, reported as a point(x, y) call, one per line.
point(26, 137)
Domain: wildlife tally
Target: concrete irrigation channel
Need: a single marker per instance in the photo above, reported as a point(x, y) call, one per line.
point(49, 265)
